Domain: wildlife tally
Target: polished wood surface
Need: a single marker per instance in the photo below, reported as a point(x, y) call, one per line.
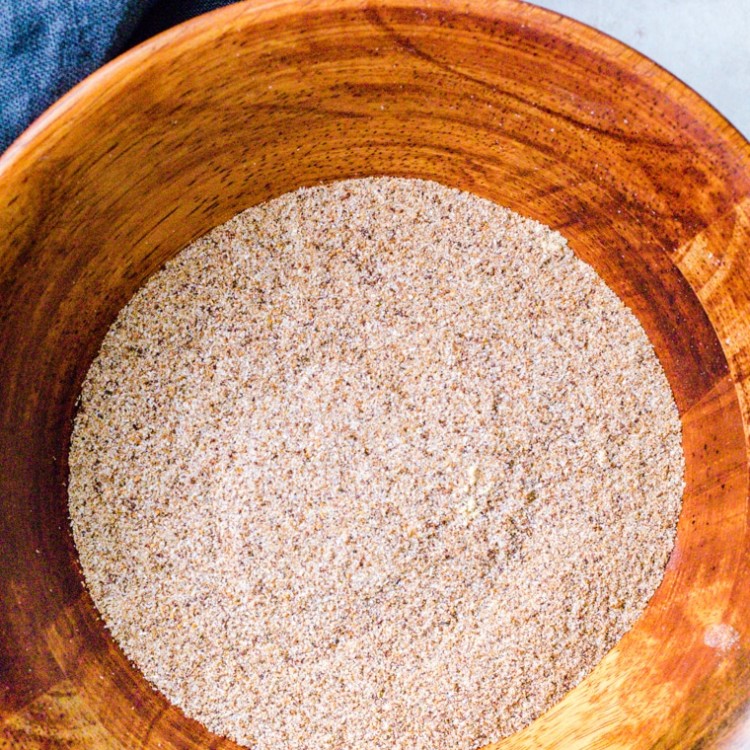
point(509, 101)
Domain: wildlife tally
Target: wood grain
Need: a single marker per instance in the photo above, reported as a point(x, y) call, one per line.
point(509, 101)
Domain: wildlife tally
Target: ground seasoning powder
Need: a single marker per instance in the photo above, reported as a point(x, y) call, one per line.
point(377, 464)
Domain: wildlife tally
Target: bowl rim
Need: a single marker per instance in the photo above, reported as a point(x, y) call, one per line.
point(83, 94)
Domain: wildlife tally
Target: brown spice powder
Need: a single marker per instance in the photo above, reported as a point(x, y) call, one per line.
point(377, 464)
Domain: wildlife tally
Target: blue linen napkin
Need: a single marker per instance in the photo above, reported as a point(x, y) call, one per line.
point(47, 46)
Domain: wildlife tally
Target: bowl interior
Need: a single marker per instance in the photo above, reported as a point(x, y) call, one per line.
point(508, 101)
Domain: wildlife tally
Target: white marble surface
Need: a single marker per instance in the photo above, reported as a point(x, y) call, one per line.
point(706, 43)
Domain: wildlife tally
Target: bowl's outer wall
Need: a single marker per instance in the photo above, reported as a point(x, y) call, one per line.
point(516, 104)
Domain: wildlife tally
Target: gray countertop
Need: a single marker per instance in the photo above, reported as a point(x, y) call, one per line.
point(706, 43)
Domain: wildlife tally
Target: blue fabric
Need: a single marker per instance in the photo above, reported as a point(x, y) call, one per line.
point(165, 14)
point(47, 46)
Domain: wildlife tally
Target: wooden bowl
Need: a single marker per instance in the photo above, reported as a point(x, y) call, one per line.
point(506, 100)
